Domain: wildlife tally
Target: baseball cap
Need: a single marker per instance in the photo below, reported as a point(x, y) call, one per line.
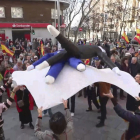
point(35, 56)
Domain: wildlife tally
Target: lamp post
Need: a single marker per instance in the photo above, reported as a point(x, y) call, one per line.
point(58, 14)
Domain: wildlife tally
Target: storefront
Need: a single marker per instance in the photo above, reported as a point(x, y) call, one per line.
point(23, 30)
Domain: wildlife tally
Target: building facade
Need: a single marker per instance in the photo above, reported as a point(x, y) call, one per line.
point(18, 17)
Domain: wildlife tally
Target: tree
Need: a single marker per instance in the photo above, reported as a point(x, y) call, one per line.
point(91, 23)
point(69, 14)
point(81, 7)
point(86, 8)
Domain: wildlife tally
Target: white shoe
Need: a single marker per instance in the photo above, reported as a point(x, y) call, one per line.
point(31, 67)
point(72, 114)
point(116, 70)
point(49, 80)
point(53, 31)
point(81, 67)
point(42, 65)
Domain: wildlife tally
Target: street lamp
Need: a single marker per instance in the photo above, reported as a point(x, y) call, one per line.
point(58, 14)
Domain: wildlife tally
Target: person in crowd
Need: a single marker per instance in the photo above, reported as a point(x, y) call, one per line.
point(38, 52)
point(29, 45)
point(116, 55)
point(134, 66)
point(11, 46)
point(7, 75)
point(46, 41)
point(6, 105)
point(21, 57)
point(35, 58)
point(4, 64)
point(138, 58)
point(132, 50)
point(113, 86)
point(102, 88)
point(72, 105)
point(6, 43)
point(80, 42)
point(18, 66)
point(47, 49)
point(32, 56)
point(17, 50)
point(24, 103)
point(25, 44)
point(61, 126)
point(131, 103)
point(124, 67)
point(1, 57)
point(133, 132)
point(91, 96)
point(107, 48)
point(49, 112)
point(29, 59)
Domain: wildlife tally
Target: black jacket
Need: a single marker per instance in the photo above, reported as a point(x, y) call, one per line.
point(107, 49)
point(135, 69)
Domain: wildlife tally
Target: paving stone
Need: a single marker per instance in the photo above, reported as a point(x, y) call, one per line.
point(84, 123)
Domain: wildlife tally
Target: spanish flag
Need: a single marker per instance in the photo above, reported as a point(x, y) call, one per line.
point(6, 50)
point(124, 36)
point(87, 61)
point(138, 32)
point(42, 49)
point(137, 38)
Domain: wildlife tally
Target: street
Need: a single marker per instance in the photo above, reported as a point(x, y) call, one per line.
point(84, 123)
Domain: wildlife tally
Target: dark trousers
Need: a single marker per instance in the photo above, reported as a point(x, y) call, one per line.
point(103, 102)
point(72, 104)
point(121, 93)
point(114, 90)
point(1, 99)
point(2, 137)
point(92, 96)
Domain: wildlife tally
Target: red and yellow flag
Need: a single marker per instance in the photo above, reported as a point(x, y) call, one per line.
point(125, 37)
point(6, 50)
point(42, 48)
point(87, 61)
point(138, 32)
point(137, 38)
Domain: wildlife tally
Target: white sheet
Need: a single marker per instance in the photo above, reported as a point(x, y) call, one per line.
point(69, 82)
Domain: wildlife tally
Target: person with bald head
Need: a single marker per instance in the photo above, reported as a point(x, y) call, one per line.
point(134, 66)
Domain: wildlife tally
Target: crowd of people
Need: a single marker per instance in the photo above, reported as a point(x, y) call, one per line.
point(126, 59)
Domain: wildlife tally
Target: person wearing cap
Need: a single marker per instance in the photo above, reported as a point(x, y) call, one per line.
point(35, 58)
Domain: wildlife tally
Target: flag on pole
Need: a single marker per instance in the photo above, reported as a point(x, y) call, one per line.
point(42, 48)
point(137, 38)
point(6, 50)
point(138, 32)
point(125, 37)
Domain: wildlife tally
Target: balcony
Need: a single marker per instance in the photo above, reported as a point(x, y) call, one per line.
point(67, 2)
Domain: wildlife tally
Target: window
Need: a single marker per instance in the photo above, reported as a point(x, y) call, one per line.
point(54, 14)
point(16, 12)
point(2, 12)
